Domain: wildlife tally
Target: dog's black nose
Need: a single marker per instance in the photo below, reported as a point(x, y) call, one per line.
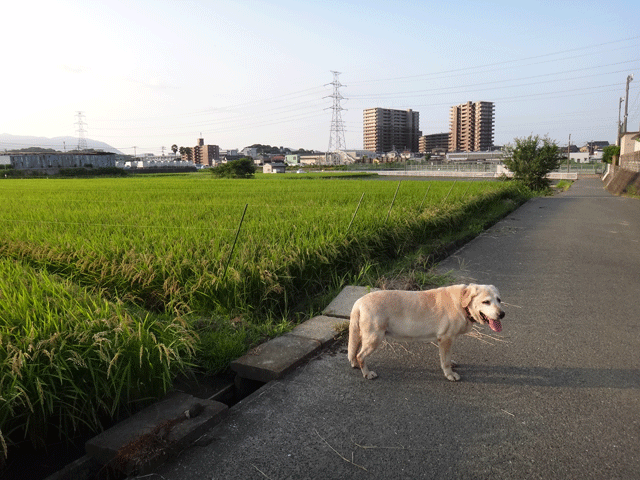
point(501, 314)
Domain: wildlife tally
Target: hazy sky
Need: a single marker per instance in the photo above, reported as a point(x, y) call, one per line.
point(151, 73)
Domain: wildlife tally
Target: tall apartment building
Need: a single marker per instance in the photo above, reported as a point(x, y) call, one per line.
point(434, 141)
point(385, 130)
point(471, 127)
point(203, 154)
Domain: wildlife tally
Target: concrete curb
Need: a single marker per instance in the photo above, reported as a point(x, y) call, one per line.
point(173, 423)
point(341, 305)
point(273, 359)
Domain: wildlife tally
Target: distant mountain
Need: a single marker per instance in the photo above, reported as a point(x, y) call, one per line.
point(14, 142)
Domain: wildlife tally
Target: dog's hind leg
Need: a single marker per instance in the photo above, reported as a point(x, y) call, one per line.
point(354, 338)
point(370, 341)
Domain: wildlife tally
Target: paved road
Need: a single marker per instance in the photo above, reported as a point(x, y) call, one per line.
point(557, 397)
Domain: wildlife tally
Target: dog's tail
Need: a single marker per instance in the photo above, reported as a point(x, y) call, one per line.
point(355, 339)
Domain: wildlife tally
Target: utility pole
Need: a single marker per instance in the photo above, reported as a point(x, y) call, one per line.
point(135, 154)
point(626, 103)
point(619, 121)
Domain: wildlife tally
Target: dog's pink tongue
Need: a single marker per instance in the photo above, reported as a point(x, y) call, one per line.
point(495, 325)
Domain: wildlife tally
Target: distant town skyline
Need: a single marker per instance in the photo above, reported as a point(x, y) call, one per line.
point(148, 74)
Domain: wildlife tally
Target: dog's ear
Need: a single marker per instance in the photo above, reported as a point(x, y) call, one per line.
point(467, 294)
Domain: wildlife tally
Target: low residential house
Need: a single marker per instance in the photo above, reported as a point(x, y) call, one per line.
point(231, 157)
point(274, 167)
point(249, 152)
point(261, 159)
point(586, 157)
point(313, 159)
point(630, 151)
point(293, 159)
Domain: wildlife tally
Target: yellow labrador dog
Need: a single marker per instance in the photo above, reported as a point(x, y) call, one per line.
point(440, 314)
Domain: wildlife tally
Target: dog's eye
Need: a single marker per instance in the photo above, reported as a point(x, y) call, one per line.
point(487, 302)
point(499, 301)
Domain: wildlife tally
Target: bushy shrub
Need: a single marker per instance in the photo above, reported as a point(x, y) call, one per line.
point(243, 168)
point(609, 152)
point(531, 159)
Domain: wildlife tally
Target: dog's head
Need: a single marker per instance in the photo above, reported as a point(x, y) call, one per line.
point(483, 305)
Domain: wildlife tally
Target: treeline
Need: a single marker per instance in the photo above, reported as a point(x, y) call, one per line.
point(36, 150)
point(273, 150)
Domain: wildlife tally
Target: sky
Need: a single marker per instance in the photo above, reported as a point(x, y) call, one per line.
point(148, 74)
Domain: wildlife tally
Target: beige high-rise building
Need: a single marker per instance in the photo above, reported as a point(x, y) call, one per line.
point(203, 154)
point(471, 127)
point(385, 130)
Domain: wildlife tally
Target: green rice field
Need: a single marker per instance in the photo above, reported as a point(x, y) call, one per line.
point(115, 283)
point(166, 242)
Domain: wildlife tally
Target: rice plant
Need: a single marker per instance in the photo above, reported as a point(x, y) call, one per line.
point(69, 358)
point(165, 243)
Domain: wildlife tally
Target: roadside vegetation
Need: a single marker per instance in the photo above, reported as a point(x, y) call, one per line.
point(69, 358)
point(563, 185)
point(531, 159)
point(110, 287)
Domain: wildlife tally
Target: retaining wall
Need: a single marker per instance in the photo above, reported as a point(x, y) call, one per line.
point(618, 179)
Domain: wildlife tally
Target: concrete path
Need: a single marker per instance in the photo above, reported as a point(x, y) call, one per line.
point(555, 396)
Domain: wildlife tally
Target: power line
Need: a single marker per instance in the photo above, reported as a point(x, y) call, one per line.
point(506, 62)
point(497, 82)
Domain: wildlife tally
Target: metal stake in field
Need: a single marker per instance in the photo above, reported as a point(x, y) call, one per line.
point(466, 191)
point(425, 196)
point(445, 198)
point(392, 202)
point(235, 240)
point(353, 217)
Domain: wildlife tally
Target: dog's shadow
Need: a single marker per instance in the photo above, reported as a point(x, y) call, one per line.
point(551, 377)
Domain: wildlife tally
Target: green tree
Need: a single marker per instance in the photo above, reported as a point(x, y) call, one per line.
point(609, 152)
point(242, 168)
point(531, 159)
point(174, 148)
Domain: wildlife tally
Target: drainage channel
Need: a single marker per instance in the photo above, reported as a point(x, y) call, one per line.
point(62, 460)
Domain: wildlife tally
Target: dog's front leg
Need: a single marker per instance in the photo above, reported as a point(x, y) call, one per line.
point(444, 344)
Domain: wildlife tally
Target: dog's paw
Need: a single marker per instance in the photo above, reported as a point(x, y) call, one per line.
point(452, 376)
point(370, 375)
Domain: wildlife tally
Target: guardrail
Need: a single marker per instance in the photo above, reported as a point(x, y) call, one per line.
point(472, 169)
